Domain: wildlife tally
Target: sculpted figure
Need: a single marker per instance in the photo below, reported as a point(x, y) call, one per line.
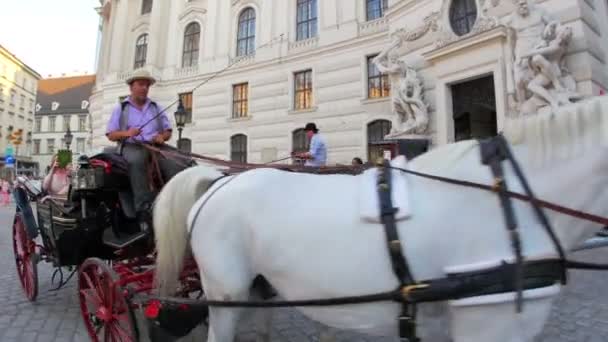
point(407, 97)
point(548, 64)
point(525, 25)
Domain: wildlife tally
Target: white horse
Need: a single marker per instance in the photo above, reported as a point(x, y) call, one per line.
point(304, 234)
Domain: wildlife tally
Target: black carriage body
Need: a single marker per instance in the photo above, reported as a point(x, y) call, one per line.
point(72, 230)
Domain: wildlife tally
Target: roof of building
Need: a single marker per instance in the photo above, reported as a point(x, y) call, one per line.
point(67, 93)
point(18, 61)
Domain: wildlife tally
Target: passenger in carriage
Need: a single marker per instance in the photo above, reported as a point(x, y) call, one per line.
point(317, 153)
point(57, 183)
point(134, 123)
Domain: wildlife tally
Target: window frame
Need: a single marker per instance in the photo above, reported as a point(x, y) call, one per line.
point(192, 45)
point(307, 15)
point(247, 37)
point(146, 7)
point(239, 155)
point(375, 9)
point(78, 142)
point(82, 123)
point(50, 143)
point(383, 80)
point(462, 24)
point(36, 146)
point(188, 102)
point(66, 122)
point(307, 90)
point(52, 123)
point(380, 127)
point(141, 51)
point(240, 100)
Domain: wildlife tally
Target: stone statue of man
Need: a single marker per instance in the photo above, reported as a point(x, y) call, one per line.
point(526, 25)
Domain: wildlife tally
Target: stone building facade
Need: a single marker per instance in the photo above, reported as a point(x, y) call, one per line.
point(253, 72)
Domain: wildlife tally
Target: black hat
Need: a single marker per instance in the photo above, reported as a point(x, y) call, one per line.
point(311, 127)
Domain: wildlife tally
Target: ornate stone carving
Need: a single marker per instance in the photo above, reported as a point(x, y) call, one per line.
point(407, 96)
point(430, 24)
point(484, 22)
point(539, 44)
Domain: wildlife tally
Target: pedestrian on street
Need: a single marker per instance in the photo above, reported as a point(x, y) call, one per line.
point(5, 192)
point(57, 182)
point(357, 161)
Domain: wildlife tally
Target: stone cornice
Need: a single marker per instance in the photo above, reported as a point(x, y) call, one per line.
point(499, 32)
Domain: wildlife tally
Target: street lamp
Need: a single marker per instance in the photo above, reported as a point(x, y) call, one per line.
point(68, 138)
point(180, 121)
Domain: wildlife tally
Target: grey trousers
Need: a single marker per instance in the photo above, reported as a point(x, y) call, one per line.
point(136, 156)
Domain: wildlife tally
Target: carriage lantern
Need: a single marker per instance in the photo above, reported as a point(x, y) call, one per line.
point(180, 121)
point(68, 138)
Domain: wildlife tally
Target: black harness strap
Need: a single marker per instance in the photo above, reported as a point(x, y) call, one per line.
point(407, 320)
point(493, 154)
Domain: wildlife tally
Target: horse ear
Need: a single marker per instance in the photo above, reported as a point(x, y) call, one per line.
point(400, 161)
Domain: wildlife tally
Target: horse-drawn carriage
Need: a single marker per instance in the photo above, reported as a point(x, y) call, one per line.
point(94, 232)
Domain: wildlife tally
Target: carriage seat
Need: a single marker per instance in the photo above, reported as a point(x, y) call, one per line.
point(369, 207)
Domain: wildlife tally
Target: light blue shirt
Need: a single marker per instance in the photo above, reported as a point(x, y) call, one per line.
point(318, 151)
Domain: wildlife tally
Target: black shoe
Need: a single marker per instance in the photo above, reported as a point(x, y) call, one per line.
point(144, 219)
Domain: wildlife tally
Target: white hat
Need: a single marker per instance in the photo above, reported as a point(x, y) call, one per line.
point(141, 74)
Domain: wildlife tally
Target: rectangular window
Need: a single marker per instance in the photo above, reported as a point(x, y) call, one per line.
point(378, 84)
point(31, 108)
point(146, 6)
point(22, 102)
point(37, 125)
point(187, 102)
point(13, 98)
point(1, 93)
point(80, 145)
point(52, 123)
point(66, 123)
point(37, 146)
point(306, 19)
point(303, 90)
point(240, 100)
point(376, 9)
point(50, 146)
point(82, 123)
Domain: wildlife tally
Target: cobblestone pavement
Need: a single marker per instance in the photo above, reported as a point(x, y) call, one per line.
point(581, 313)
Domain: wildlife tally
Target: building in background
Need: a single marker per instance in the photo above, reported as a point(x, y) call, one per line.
point(62, 104)
point(18, 83)
point(270, 66)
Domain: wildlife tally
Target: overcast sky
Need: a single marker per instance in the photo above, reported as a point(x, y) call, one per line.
point(51, 36)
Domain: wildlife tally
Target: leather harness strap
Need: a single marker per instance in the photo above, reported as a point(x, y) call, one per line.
point(407, 319)
point(493, 154)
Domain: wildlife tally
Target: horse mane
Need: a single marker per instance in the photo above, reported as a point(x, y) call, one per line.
point(561, 135)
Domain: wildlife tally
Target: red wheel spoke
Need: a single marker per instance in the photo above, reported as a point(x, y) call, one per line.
point(92, 287)
point(122, 332)
point(90, 298)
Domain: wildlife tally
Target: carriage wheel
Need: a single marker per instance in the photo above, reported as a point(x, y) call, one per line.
point(105, 310)
point(25, 258)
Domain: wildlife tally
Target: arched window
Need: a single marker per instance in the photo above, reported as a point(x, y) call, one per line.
point(463, 14)
point(376, 131)
point(306, 19)
point(238, 148)
point(141, 51)
point(146, 6)
point(192, 36)
point(299, 142)
point(376, 8)
point(184, 145)
point(245, 43)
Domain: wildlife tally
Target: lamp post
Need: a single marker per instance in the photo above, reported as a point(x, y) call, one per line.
point(180, 122)
point(68, 138)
